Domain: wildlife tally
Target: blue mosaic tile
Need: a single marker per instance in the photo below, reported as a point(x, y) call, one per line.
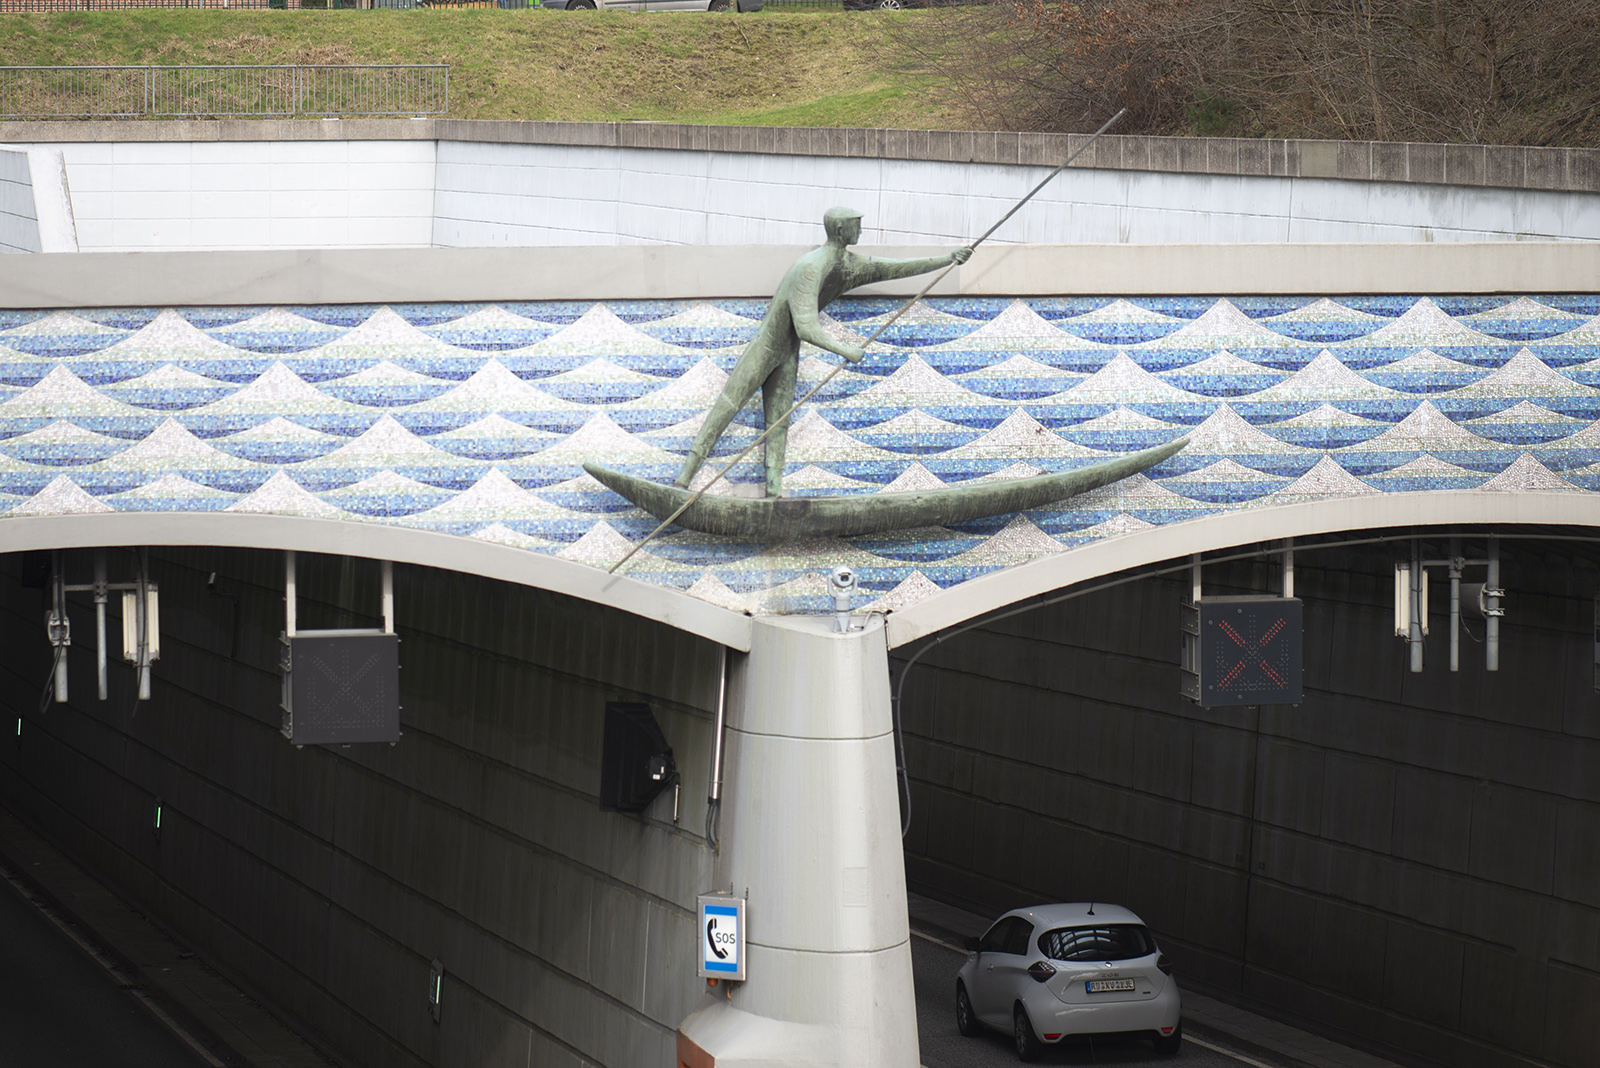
point(474, 418)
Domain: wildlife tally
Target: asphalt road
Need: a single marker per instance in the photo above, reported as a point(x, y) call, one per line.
point(934, 969)
point(59, 1008)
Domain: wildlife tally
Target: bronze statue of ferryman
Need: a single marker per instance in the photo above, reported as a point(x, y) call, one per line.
point(771, 361)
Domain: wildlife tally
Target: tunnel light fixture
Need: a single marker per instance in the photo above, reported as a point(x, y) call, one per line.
point(155, 822)
point(1479, 600)
point(435, 988)
point(141, 621)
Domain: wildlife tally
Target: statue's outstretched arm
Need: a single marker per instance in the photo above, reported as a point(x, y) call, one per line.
point(866, 270)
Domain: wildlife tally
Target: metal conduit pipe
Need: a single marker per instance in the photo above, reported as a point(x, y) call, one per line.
point(1491, 625)
point(714, 794)
point(100, 597)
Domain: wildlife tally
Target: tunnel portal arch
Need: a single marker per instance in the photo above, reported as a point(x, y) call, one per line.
point(1393, 860)
point(472, 556)
point(994, 592)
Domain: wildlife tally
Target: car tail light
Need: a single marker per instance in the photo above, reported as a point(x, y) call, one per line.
point(1041, 970)
point(1051, 1038)
point(1164, 964)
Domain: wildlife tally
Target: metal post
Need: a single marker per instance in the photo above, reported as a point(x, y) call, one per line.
point(714, 794)
point(388, 596)
point(1288, 567)
point(1492, 609)
point(142, 607)
point(717, 729)
point(100, 619)
point(288, 594)
point(1194, 579)
point(1455, 604)
point(1414, 639)
point(60, 628)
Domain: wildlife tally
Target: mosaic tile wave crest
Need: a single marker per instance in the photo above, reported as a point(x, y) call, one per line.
point(474, 419)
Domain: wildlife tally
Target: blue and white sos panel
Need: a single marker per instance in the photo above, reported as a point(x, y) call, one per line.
point(721, 937)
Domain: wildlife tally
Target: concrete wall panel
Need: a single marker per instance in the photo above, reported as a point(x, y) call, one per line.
point(1403, 859)
point(331, 877)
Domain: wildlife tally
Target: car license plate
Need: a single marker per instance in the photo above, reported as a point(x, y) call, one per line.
point(1101, 986)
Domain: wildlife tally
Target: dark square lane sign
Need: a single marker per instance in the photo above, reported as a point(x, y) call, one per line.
point(1250, 651)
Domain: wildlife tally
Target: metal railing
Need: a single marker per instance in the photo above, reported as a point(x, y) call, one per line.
point(133, 5)
point(192, 92)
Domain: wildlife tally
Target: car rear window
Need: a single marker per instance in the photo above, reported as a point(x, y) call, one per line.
point(1116, 941)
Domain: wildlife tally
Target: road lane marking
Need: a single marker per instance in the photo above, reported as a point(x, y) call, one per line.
point(112, 968)
point(1226, 1052)
point(941, 942)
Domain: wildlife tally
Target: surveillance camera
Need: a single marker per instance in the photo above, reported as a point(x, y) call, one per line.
point(842, 580)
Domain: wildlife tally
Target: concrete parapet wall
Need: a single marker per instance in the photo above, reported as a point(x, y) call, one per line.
point(19, 227)
point(384, 183)
point(491, 194)
point(1575, 170)
point(143, 195)
point(35, 202)
point(330, 877)
point(699, 272)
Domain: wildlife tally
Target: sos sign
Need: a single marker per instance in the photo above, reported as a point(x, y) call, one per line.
point(721, 926)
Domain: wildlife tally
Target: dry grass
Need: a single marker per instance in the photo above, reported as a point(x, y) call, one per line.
point(771, 68)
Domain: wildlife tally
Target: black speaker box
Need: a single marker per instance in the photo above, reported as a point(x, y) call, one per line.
point(635, 760)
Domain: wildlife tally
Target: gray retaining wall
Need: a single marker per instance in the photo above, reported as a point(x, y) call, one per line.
point(368, 183)
point(1408, 859)
point(332, 877)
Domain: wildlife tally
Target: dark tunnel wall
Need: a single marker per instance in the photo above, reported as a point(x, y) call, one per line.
point(1408, 860)
point(329, 878)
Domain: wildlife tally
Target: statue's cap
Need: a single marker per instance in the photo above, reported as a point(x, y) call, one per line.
point(834, 218)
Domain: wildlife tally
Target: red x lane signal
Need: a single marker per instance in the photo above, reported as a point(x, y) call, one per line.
point(1250, 651)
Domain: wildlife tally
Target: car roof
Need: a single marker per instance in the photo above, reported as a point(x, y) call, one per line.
point(1076, 914)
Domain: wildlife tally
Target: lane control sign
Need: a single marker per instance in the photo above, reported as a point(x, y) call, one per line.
point(721, 937)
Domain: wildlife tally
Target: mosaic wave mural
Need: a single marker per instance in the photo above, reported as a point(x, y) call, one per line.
point(474, 419)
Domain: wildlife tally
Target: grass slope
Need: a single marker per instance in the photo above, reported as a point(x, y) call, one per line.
point(774, 68)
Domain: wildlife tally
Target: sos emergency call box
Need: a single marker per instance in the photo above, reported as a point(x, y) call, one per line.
point(722, 937)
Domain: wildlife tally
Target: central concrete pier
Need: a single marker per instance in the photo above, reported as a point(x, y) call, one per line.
point(812, 839)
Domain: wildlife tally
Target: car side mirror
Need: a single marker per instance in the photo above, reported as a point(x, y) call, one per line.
point(971, 942)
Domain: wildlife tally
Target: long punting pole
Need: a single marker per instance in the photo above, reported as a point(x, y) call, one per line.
point(887, 323)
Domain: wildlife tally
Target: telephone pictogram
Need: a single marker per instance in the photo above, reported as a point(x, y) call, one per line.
point(711, 939)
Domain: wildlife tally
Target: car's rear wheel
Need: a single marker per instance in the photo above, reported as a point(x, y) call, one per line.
point(1169, 1044)
point(889, 5)
point(1028, 1045)
point(718, 5)
point(966, 1021)
point(580, 5)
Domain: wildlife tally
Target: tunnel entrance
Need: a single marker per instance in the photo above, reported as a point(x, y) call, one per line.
point(460, 896)
point(1404, 860)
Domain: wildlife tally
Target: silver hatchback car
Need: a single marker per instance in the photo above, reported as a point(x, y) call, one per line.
point(1050, 972)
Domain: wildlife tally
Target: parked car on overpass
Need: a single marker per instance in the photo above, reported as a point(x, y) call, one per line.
point(1053, 972)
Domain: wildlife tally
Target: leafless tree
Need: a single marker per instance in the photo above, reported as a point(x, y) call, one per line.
point(1479, 71)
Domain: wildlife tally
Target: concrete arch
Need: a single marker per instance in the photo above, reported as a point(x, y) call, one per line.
point(427, 548)
point(1306, 519)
